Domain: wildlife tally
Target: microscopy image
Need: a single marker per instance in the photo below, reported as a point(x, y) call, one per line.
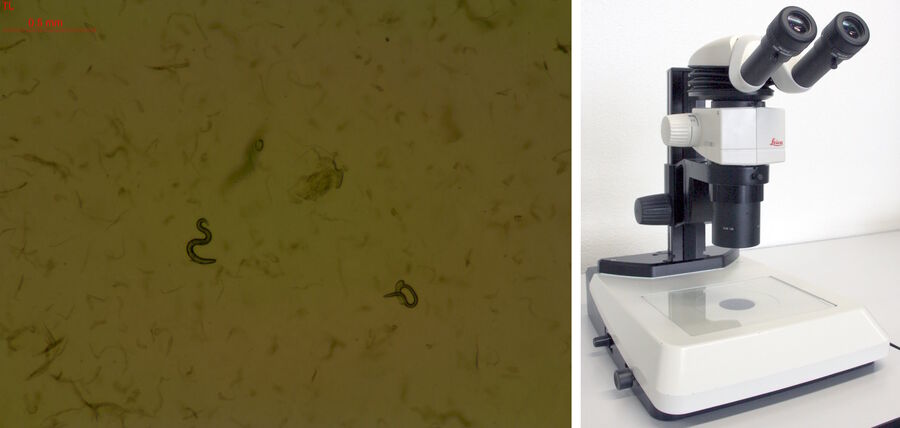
point(285, 214)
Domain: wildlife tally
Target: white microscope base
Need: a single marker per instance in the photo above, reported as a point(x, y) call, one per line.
point(707, 339)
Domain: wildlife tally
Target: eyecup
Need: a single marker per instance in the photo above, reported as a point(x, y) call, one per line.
point(843, 45)
point(790, 42)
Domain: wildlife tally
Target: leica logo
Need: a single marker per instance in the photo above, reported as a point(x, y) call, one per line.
point(776, 143)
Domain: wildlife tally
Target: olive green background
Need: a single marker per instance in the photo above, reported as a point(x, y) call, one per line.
point(423, 141)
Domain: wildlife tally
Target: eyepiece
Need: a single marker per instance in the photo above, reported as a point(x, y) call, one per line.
point(847, 33)
point(786, 36)
point(842, 38)
point(852, 27)
point(798, 23)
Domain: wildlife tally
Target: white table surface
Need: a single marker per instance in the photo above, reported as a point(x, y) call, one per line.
point(865, 269)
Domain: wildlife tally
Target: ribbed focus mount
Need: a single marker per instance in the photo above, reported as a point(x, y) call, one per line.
point(713, 83)
point(653, 210)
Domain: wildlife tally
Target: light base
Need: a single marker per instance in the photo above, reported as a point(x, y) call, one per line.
point(705, 340)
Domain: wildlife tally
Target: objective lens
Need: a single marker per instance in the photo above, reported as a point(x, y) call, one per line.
point(798, 23)
point(851, 27)
point(736, 193)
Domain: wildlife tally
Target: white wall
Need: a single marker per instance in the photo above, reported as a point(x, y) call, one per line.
point(842, 174)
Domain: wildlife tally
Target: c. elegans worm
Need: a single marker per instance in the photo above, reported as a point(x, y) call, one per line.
point(207, 237)
point(398, 292)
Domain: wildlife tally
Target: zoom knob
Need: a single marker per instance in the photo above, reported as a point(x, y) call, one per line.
point(680, 130)
point(653, 210)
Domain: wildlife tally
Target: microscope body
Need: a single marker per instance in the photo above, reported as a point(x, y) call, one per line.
point(721, 139)
point(686, 344)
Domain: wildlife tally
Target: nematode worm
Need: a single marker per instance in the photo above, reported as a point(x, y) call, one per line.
point(207, 237)
point(398, 292)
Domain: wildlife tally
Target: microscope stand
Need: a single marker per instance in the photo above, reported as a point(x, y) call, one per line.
point(661, 263)
point(690, 343)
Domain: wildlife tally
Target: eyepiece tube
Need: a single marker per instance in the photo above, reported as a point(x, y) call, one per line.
point(786, 36)
point(843, 37)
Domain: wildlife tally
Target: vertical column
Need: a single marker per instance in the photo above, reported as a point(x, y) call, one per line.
point(687, 241)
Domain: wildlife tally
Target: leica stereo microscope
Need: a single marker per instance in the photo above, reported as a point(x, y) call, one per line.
point(693, 327)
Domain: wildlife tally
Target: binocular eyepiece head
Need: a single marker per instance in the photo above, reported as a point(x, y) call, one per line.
point(792, 30)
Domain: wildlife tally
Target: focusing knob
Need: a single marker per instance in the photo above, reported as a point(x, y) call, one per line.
point(653, 210)
point(623, 378)
point(680, 130)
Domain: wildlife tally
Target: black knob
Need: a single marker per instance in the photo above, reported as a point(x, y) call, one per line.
point(623, 378)
point(653, 209)
point(603, 341)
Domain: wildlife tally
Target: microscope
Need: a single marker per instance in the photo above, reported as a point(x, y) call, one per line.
point(693, 328)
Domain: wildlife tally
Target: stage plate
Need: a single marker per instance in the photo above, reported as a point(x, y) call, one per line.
point(716, 307)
